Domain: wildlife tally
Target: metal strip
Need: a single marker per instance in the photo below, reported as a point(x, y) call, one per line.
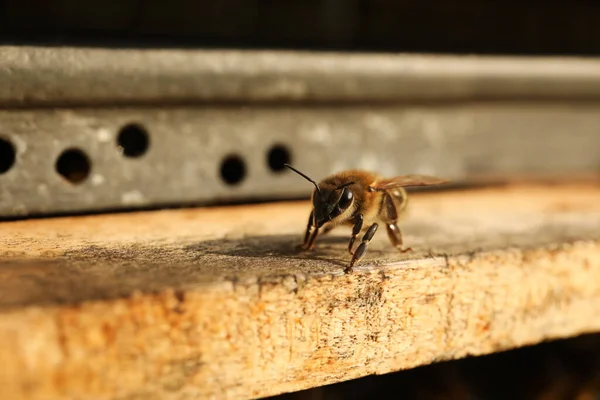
point(46, 76)
point(187, 148)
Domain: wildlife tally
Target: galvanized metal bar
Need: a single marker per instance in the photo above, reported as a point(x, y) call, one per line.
point(91, 159)
point(47, 76)
point(87, 129)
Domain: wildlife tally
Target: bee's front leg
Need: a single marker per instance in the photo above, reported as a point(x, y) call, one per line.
point(358, 225)
point(327, 229)
point(310, 235)
point(362, 247)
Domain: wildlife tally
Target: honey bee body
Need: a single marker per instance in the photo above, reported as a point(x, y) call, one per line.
point(375, 206)
point(362, 200)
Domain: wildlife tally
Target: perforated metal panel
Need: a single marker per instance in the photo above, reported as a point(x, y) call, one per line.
point(116, 129)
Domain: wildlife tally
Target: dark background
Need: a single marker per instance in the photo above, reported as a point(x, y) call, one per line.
point(535, 27)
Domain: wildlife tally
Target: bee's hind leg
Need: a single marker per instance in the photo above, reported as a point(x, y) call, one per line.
point(395, 236)
point(394, 205)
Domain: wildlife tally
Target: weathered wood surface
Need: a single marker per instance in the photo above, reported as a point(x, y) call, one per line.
point(216, 302)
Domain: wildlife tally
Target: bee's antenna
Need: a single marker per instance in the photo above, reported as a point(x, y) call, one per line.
point(304, 176)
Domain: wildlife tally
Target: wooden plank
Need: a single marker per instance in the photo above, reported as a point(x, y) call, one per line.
point(216, 303)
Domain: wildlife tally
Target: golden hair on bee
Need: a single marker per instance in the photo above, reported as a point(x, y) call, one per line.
point(361, 200)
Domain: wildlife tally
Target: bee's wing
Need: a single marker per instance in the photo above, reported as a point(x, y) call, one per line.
point(408, 180)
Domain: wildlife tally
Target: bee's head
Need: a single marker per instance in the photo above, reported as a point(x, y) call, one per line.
point(329, 201)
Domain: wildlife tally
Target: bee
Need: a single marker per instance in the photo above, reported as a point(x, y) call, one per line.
point(361, 200)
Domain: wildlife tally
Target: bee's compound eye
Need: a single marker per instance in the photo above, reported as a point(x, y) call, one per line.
point(345, 199)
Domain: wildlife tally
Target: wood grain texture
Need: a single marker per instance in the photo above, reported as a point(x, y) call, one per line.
point(217, 303)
